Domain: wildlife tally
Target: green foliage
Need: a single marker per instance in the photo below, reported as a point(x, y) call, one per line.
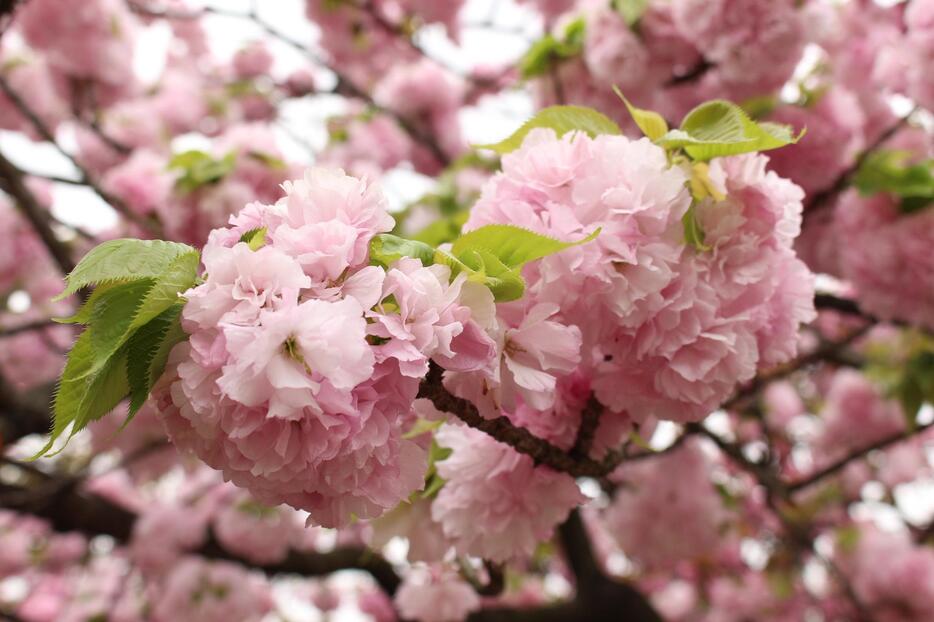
point(199, 168)
point(492, 255)
point(720, 128)
point(549, 51)
point(561, 119)
point(693, 234)
point(433, 481)
point(268, 160)
point(906, 372)
point(123, 260)
point(514, 246)
point(386, 248)
point(132, 321)
point(890, 171)
point(652, 124)
point(631, 10)
point(254, 238)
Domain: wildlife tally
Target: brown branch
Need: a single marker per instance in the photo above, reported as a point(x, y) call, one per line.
point(503, 430)
point(823, 198)
point(692, 74)
point(820, 353)
point(45, 133)
point(11, 331)
point(11, 179)
point(856, 454)
point(590, 421)
point(345, 86)
point(68, 508)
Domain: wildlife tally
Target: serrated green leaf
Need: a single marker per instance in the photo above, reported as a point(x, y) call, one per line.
point(720, 128)
point(112, 319)
point(83, 314)
point(631, 10)
point(180, 276)
point(254, 238)
point(652, 124)
point(87, 391)
point(511, 245)
point(145, 348)
point(561, 119)
point(121, 261)
point(386, 248)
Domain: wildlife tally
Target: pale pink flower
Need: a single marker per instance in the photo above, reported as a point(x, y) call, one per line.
point(667, 509)
point(197, 590)
point(435, 594)
point(496, 503)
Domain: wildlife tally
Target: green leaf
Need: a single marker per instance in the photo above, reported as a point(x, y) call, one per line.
point(631, 10)
point(112, 318)
point(442, 230)
point(180, 276)
point(652, 124)
point(484, 267)
point(422, 426)
point(200, 168)
point(147, 351)
point(121, 261)
point(269, 160)
point(132, 320)
point(693, 234)
point(890, 171)
point(561, 119)
point(543, 55)
point(386, 248)
point(87, 390)
point(255, 238)
point(720, 128)
point(83, 314)
point(513, 246)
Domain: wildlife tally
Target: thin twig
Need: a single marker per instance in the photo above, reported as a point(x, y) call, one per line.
point(12, 183)
point(823, 198)
point(856, 454)
point(45, 133)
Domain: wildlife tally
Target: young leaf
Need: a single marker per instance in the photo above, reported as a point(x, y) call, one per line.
point(87, 391)
point(386, 248)
point(513, 246)
point(147, 351)
point(561, 119)
point(890, 171)
point(693, 234)
point(720, 128)
point(631, 10)
point(483, 266)
point(255, 238)
point(123, 260)
point(652, 124)
point(200, 168)
point(550, 50)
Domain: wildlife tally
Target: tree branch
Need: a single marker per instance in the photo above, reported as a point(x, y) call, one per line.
point(45, 133)
point(68, 508)
point(823, 198)
point(856, 454)
point(11, 179)
point(503, 430)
